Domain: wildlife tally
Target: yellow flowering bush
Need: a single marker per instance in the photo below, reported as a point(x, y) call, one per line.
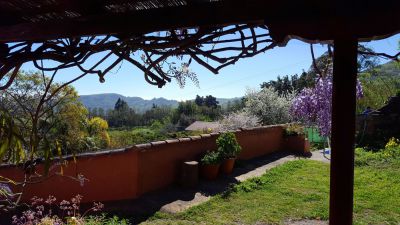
point(392, 143)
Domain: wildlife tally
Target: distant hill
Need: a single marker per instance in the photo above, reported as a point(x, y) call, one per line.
point(389, 69)
point(224, 101)
point(107, 101)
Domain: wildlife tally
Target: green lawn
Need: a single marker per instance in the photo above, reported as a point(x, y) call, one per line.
point(299, 190)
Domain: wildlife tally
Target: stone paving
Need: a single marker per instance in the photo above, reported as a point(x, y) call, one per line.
point(254, 169)
point(307, 222)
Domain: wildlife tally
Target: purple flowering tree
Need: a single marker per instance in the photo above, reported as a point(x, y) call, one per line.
point(313, 106)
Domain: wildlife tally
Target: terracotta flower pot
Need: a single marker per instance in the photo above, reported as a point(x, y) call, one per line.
point(295, 143)
point(307, 151)
point(227, 166)
point(298, 144)
point(210, 172)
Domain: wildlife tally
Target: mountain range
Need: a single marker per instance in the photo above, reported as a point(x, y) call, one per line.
point(108, 100)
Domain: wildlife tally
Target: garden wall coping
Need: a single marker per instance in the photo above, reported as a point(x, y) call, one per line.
point(156, 143)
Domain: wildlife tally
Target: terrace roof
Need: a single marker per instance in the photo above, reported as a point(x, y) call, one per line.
point(311, 19)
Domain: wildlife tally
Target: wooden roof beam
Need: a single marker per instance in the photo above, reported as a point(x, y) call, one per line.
point(306, 19)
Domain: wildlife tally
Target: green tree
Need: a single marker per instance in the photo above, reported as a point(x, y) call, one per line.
point(377, 88)
point(211, 101)
point(41, 119)
point(34, 101)
point(11, 141)
point(70, 128)
point(187, 108)
point(234, 106)
point(122, 115)
point(291, 84)
point(185, 114)
point(157, 113)
point(101, 113)
point(121, 105)
point(199, 100)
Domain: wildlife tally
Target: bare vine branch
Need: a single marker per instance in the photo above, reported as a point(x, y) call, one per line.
point(156, 54)
point(395, 57)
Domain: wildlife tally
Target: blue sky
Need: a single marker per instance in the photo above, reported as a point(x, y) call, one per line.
point(232, 81)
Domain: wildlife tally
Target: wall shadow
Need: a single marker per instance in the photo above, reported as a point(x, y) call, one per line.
point(142, 208)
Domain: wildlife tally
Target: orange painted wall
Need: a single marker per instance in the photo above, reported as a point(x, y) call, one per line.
point(159, 166)
point(260, 141)
point(143, 168)
point(110, 177)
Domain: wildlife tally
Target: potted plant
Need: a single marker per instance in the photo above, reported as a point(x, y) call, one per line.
point(295, 139)
point(210, 164)
point(229, 149)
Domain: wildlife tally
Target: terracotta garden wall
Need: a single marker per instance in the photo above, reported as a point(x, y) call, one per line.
point(128, 173)
point(109, 176)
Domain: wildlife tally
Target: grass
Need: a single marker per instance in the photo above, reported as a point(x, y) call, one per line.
point(299, 190)
point(103, 220)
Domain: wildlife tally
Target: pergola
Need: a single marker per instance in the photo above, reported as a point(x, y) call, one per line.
point(71, 31)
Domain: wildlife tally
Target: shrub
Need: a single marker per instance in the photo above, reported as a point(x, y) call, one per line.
point(382, 157)
point(392, 143)
point(103, 220)
point(228, 145)
point(377, 140)
point(123, 138)
point(211, 158)
point(97, 128)
point(293, 130)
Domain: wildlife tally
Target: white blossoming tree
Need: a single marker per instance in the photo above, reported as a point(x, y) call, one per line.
point(268, 106)
point(239, 119)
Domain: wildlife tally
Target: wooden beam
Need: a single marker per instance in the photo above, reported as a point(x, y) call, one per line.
point(343, 131)
point(312, 20)
point(12, 14)
point(136, 22)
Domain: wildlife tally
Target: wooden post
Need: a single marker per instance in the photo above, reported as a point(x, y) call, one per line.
point(343, 131)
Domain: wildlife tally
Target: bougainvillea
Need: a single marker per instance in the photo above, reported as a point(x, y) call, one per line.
point(313, 106)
